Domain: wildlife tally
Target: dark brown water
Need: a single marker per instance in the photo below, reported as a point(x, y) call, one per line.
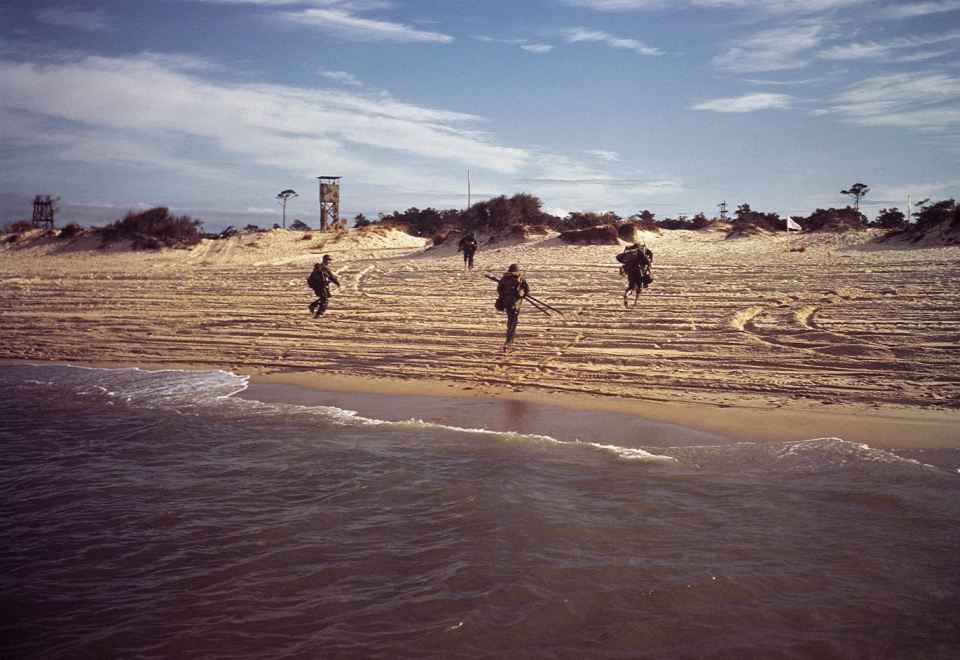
point(155, 515)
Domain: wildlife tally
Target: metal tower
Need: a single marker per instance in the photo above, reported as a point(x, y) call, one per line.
point(43, 211)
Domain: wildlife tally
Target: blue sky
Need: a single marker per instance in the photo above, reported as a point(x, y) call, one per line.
point(212, 107)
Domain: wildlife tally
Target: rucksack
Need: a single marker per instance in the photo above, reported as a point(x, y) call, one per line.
point(635, 257)
point(315, 280)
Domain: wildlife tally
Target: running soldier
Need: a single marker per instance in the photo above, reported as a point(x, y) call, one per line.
point(636, 261)
point(468, 244)
point(511, 290)
point(319, 281)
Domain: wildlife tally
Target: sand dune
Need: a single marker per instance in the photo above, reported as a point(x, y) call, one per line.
point(846, 325)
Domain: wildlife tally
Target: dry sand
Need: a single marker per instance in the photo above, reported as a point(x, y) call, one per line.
point(739, 337)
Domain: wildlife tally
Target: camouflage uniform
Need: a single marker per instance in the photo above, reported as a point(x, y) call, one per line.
point(511, 290)
point(319, 281)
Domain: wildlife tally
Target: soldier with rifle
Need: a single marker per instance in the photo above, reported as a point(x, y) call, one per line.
point(319, 280)
point(511, 290)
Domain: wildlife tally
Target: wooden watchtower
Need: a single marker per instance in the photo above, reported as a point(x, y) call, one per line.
point(329, 201)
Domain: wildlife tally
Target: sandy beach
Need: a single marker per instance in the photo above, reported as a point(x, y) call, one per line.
point(743, 338)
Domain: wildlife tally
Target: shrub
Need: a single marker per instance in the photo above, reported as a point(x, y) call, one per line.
point(588, 219)
point(602, 235)
point(891, 219)
point(19, 227)
point(154, 228)
point(945, 212)
point(749, 222)
point(360, 220)
point(425, 223)
point(300, 225)
point(834, 220)
point(71, 231)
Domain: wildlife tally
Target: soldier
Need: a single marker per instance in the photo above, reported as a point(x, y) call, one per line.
point(319, 281)
point(468, 244)
point(636, 260)
point(511, 290)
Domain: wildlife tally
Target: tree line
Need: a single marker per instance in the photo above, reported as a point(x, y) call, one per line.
point(501, 213)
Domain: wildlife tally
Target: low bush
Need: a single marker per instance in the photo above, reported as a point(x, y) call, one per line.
point(154, 228)
point(19, 226)
point(71, 231)
point(602, 235)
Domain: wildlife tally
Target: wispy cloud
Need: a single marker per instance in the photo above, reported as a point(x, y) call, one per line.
point(342, 22)
point(604, 155)
point(578, 35)
point(781, 83)
point(892, 50)
point(925, 101)
point(747, 103)
point(783, 48)
point(914, 9)
point(341, 77)
point(894, 194)
point(76, 18)
point(768, 6)
point(140, 111)
point(538, 48)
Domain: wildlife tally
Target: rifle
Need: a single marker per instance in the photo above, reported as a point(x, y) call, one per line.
point(536, 302)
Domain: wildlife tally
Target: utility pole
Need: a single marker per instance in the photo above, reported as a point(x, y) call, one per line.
point(468, 189)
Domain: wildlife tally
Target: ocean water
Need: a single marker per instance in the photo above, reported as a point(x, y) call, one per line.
point(158, 514)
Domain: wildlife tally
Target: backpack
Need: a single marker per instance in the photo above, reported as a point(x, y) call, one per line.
point(509, 286)
point(635, 258)
point(315, 280)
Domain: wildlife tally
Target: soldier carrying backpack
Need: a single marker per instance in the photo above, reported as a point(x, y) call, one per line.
point(468, 244)
point(511, 290)
point(319, 280)
point(635, 261)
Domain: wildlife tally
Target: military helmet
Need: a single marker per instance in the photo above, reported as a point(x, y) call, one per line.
point(514, 268)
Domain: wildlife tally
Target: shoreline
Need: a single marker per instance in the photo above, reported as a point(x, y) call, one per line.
point(626, 422)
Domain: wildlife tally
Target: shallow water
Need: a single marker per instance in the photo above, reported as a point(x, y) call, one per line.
point(154, 514)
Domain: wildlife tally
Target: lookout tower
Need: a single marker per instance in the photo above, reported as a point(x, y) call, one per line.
point(43, 211)
point(329, 201)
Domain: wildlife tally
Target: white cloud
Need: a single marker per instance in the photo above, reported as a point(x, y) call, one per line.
point(572, 184)
point(926, 101)
point(76, 18)
point(141, 111)
point(577, 35)
point(889, 50)
point(769, 6)
point(343, 23)
point(917, 190)
point(781, 83)
point(914, 9)
point(341, 76)
point(603, 154)
point(537, 48)
point(773, 50)
point(747, 103)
